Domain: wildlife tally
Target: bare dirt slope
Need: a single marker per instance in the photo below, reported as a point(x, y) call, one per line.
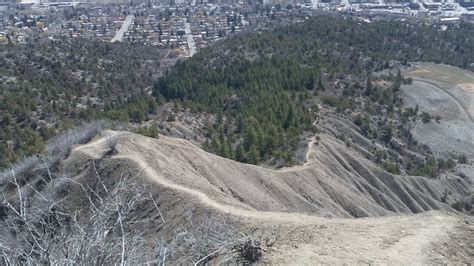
point(431, 238)
point(446, 92)
point(335, 182)
point(284, 208)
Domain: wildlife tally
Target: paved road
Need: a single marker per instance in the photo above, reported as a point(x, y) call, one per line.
point(126, 24)
point(190, 39)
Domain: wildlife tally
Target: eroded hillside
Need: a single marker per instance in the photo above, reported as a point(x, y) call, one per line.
point(169, 196)
point(280, 207)
point(447, 94)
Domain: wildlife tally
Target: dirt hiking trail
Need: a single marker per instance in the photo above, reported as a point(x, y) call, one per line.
point(279, 212)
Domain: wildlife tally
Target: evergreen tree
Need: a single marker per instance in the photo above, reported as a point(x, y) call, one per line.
point(253, 155)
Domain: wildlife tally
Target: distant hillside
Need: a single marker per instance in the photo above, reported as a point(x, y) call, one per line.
point(260, 84)
point(49, 86)
point(266, 86)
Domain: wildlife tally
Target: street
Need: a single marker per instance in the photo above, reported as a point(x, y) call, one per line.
point(126, 24)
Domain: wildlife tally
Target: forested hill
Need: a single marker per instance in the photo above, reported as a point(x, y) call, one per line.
point(328, 38)
point(47, 86)
point(264, 86)
point(264, 83)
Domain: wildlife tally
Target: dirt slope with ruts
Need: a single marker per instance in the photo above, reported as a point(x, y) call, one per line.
point(285, 208)
point(445, 92)
point(336, 182)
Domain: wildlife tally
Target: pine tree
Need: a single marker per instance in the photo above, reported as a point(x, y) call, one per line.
point(250, 137)
point(153, 131)
point(224, 150)
point(321, 86)
point(240, 154)
point(215, 145)
point(368, 85)
point(398, 81)
point(254, 155)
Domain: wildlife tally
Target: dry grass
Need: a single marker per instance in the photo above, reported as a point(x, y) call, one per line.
point(443, 73)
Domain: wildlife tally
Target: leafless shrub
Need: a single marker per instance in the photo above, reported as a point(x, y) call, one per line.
point(24, 166)
point(44, 229)
point(112, 141)
point(59, 147)
point(49, 218)
point(56, 149)
point(203, 240)
point(250, 250)
point(69, 222)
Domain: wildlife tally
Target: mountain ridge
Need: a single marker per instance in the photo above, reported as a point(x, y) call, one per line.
point(294, 232)
point(335, 183)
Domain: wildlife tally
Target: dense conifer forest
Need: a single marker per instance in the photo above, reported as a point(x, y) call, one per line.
point(263, 82)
